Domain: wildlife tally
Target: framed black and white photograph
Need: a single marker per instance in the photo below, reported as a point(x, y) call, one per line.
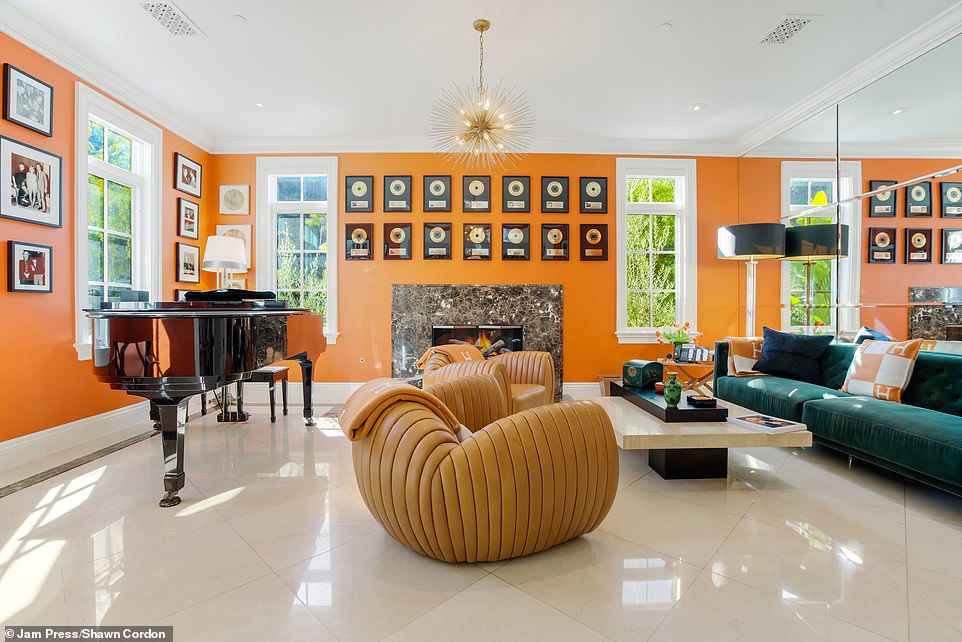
point(882, 204)
point(918, 245)
point(594, 195)
point(477, 241)
point(188, 263)
point(437, 241)
point(881, 245)
point(554, 194)
point(515, 242)
point(234, 200)
point(358, 241)
point(918, 200)
point(359, 193)
point(397, 241)
point(397, 193)
point(952, 246)
point(951, 200)
point(437, 194)
point(554, 242)
point(27, 101)
point(476, 193)
point(29, 267)
point(34, 180)
point(188, 218)
point(187, 175)
point(516, 194)
point(594, 242)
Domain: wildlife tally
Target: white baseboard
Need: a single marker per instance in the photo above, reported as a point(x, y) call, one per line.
point(581, 389)
point(79, 437)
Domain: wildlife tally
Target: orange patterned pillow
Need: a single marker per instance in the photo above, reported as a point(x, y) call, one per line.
point(882, 369)
point(743, 352)
point(951, 347)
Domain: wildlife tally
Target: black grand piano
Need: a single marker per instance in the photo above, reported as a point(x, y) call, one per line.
point(168, 352)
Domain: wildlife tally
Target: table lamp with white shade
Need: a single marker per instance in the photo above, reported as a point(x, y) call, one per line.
point(224, 255)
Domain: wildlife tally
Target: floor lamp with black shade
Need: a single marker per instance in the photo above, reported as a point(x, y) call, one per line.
point(750, 242)
point(810, 244)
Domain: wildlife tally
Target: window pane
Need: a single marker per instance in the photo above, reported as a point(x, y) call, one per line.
point(316, 301)
point(663, 309)
point(664, 272)
point(95, 256)
point(289, 188)
point(95, 201)
point(288, 270)
point(822, 276)
point(293, 298)
point(828, 187)
point(118, 207)
point(288, 232)
point(638, 190)
point(315, 272)
point(639, 232)
point(798, 193)
point(95, 294)
point(119, 150)
point(95, 140)
point(639, 277)
point(639, 310)
point(663, 190)
point(315, 232)
point(315, 188)
point(114, 292)
point(662, 233)
point(797, 276)
point(118, 259)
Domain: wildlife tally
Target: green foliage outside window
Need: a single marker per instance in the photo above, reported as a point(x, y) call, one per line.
point(822, 291)
point(650, 241)
point(302, 260)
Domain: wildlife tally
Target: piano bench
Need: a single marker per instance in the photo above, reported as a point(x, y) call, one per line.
point(271, 375)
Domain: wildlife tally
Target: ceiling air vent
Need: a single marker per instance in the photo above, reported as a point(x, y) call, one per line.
point(172, 18)
point(786, 29)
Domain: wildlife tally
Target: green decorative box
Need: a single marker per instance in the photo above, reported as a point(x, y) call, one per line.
point(641, 374)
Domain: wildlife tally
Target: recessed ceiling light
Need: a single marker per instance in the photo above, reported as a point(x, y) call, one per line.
point(258, 104)
point(665, 26)
point(239, 19)
point(899, 110)
point(697, 107)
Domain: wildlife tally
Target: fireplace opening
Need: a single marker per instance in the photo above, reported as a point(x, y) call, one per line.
point(489, 339)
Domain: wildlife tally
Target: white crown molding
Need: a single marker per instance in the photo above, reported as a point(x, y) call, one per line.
point(933, 33)
point(30, 33)
point(415, 144)
point(826, 150)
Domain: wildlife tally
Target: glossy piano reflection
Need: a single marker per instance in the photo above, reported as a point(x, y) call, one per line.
point(168, 352)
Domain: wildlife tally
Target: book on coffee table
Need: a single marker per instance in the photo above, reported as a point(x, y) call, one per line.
point(765, 423)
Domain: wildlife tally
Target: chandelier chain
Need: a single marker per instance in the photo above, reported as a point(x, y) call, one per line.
point(481, 66)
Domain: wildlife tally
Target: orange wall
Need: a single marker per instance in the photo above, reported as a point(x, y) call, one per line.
point(42, 383)
point(590, 345)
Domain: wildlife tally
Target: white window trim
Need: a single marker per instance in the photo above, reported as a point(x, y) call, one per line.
point(149, 267)
point(848, 272)
point(265, 233)
point(686, 242)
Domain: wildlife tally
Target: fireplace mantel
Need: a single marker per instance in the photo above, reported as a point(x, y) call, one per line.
point(415, 308)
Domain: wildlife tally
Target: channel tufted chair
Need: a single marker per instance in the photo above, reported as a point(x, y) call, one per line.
point(527, 377)
point(519, 485)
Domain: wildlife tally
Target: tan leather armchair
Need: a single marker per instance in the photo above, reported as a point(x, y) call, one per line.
point(527, 377)
point(520, 485)
point(476, 401)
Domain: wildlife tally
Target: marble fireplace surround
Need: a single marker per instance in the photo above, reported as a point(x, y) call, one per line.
point(417, 307)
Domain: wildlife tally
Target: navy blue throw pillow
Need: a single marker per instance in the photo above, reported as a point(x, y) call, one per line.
point(793, 356)
point(865, 333)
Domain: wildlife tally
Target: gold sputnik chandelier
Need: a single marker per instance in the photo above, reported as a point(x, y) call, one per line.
point(480, 127)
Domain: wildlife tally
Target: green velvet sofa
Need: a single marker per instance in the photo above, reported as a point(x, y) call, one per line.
point(920, 438)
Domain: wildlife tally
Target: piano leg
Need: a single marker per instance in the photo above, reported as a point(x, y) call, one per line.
point(173, 421)
point(307, 377)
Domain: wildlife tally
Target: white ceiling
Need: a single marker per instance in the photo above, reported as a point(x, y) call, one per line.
point(363, 74)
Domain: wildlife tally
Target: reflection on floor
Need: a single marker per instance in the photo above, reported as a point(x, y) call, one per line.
point(272, 542)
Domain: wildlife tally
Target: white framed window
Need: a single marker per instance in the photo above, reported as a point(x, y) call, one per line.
point(804, 186)
point(297, 233)
point(657, 247)
point(117, 216)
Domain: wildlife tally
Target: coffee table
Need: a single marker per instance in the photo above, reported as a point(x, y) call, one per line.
point(689, 450)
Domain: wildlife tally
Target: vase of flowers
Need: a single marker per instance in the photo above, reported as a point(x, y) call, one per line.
point(678, 335)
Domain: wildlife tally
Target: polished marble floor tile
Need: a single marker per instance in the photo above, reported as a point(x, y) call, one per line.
point(935, 607)
point(934, 544)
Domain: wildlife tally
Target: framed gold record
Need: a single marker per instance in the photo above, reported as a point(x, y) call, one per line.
point(594, 242)
point(437, 194)
point(437, 241)
point(554, 242)
point(881, 245)
point(952, 246)
point(918, 200)
point(397, 194)
point(358, 241)
point(554, 194)
point(516, 194)
point(397, 241)
point(882, 205)
point(951, 200)
point(477, 241)
point(515, 242)
point(358, 193)
point(594, 195)
point(918, 245)
point(476, 193)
